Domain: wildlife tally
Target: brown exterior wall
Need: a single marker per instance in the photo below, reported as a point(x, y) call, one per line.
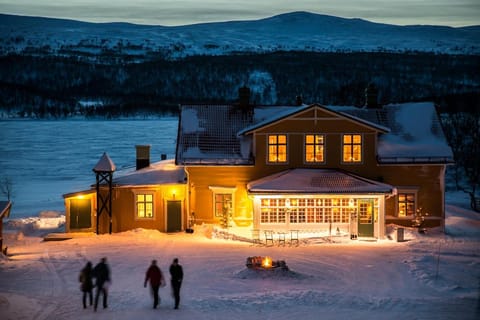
point(426, 179)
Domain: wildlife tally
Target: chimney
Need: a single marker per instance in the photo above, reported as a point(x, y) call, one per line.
point(371, 96)
point(143, 156)
point(244, 96)
point(298, 101)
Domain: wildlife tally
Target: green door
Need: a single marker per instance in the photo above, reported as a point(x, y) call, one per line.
point(174, 216)
point(365, 218)
point(80, 214)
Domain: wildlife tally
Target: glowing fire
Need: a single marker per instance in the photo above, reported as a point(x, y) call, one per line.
point(267, 262)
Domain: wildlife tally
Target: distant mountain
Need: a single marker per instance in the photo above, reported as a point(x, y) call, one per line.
point(296, 31)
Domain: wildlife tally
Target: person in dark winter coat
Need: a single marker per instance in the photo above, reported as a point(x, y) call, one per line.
point(155, 276)
point(176, 272)
point(101, 273)
point(86, 286)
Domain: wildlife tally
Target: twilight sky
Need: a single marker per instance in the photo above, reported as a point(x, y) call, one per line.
point(181, 12)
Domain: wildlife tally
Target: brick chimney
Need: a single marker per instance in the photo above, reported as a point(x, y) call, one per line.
point(371, 96)
point(143, 156)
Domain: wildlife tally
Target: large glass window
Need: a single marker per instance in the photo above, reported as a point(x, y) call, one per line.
point(314, 147)
point(307, 210)
point(352, 148)
point(277, 148)
point(272, 211)
point(406, 204)
point(144, 205)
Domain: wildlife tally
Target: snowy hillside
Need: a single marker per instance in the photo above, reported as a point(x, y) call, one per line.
point(297, 31)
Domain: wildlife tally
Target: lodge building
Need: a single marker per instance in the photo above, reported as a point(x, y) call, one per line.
point(302, 167)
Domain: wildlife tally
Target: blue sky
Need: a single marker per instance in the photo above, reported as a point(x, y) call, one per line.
point(181, 12)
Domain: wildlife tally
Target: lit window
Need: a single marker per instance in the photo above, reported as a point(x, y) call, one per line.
point(277, 148)
point(223, 204)
point(352, 148)
point(144, 205)
point(314, 147)
point(406, 204)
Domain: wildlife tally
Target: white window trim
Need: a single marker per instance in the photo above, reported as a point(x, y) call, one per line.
point(222, 190)
point(137, 192)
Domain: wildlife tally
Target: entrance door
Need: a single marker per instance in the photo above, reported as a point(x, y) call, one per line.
point(174, 216)
point(80, 214)
point(365, 218)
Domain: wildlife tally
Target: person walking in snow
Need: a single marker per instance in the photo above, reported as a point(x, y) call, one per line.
point(101, 273)
point(86, 286)
point(176, 272)
point(155, 276)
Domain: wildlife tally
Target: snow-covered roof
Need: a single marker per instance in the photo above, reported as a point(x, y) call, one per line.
point(105, 164)
point(161, 172)
point(220, 135)
point(316, 181)
point(415, 136)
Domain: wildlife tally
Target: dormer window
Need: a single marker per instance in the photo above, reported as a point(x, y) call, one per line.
point(352, 148)
point(314, 148)
point(277, 148)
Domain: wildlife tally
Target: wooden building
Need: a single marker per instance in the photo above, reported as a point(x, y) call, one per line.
point(302, 167)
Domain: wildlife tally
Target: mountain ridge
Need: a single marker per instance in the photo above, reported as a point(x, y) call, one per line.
point(294, 31)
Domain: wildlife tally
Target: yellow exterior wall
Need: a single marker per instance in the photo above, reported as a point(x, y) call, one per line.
point(202, 203)
point(123, 209)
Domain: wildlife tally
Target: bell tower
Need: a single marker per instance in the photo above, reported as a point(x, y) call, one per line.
point(104, 176)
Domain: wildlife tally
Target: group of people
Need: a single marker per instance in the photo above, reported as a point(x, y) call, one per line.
point(101, 274)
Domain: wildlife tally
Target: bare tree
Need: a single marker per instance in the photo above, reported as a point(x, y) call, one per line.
point(6, 187)
point(462, 131)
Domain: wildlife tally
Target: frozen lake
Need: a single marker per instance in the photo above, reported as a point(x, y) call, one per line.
point(46, 159)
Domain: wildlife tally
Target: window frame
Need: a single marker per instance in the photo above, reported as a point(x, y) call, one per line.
point(223, 191)
point(277, 144)
point(412, 191)
point(352, 145)
point(136, 202)
point(314, 144)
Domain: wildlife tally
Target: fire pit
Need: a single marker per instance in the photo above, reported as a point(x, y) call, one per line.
point(265, 263)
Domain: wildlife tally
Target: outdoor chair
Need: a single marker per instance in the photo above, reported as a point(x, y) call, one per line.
point(268, 237)
point(256, 236)
point(294, 237)
point(281, 238)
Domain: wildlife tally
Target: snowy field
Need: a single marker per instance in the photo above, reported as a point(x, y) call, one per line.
point(432, 276)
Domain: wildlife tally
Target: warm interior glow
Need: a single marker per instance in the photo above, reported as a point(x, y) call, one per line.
point(267, 262)
point(80, 197)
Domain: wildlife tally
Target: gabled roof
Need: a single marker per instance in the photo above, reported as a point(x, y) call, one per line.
point(316, 181)
point(219, 135)
point(293, 111)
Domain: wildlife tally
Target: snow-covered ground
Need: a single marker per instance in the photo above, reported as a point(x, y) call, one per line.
point(428, 276)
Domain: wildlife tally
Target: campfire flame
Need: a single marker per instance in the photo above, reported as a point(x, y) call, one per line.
point(267, 262)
